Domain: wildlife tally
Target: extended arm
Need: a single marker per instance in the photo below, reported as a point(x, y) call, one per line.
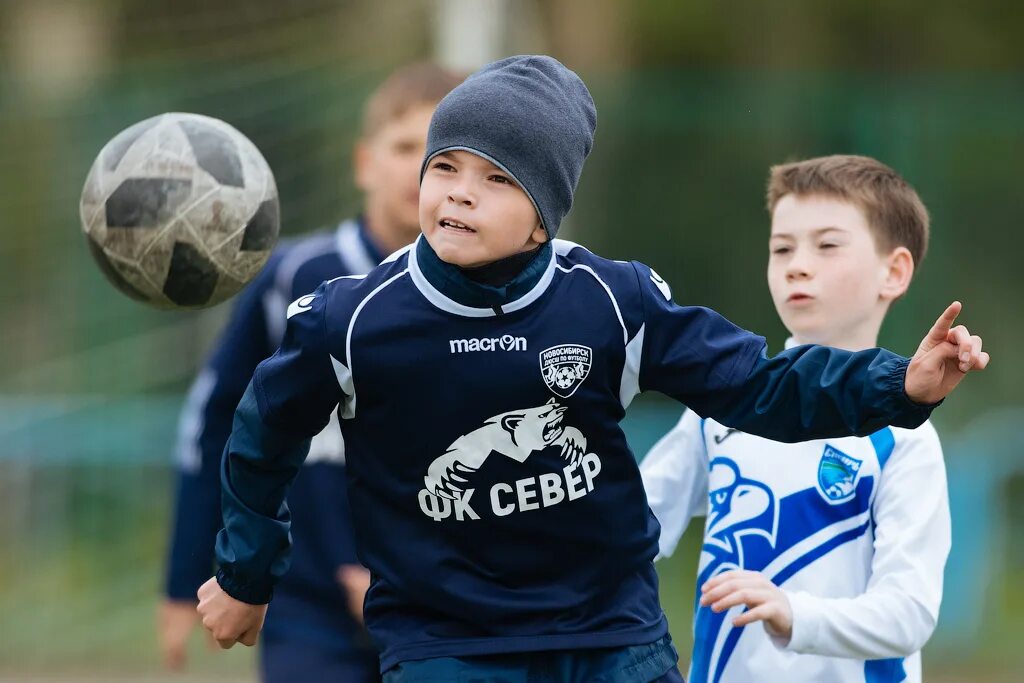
point(204, 428)
point(289, 400)
point(815, 392)
point(723, 372)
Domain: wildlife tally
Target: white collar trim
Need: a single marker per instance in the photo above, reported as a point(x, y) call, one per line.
point(439, 300)
point(351, 249)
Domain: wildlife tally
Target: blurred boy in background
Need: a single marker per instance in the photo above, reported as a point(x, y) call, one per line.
point(836, 545)
point(314, 631)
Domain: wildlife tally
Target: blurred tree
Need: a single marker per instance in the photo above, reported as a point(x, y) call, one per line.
point(872, 34)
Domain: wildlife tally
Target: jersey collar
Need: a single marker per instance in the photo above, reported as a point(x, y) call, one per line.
point(355, 247)
point(446, 288)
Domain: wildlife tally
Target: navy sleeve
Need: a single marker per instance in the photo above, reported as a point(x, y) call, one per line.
point(722, 372)
point(289, 400)
point(816, 392)
point(204, 428)
point(331, 529)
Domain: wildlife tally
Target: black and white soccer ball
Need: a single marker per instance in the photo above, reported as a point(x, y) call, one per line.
point(180, 211)
point(564, 377)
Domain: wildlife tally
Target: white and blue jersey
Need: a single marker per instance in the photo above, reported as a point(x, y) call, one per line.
point(495, 499)
point(310, 604)
point(855, 530)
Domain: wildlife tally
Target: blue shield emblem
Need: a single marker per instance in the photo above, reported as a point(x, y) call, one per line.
point(837, 474)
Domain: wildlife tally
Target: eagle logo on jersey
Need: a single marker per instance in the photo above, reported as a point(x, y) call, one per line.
point(739, 507)
point(515, 434)
point(837, 474)
point(564, 367)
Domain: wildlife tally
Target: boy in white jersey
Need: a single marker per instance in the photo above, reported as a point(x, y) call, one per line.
point(837, 545)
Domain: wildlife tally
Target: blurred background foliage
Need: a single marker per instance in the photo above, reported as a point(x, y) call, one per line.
point(696, 99)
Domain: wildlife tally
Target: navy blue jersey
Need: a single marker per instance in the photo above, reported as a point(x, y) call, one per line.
point(311, 605)
point(495, 498)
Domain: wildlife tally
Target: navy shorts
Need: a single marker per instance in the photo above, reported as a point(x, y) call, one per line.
point(291, 661)
point(651, 663)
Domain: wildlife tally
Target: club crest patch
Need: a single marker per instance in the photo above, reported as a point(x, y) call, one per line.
point(564, 367)
point(837, 474)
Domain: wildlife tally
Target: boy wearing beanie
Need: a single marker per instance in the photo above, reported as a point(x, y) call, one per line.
point(480, 376)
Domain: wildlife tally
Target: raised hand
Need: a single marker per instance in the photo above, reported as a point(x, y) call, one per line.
point(945, 356)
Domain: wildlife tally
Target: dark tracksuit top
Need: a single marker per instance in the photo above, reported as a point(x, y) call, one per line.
point(495, 499)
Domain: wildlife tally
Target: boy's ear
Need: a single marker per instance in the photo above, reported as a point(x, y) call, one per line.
point(899, 273)
point(361, 164)
point(539, 234)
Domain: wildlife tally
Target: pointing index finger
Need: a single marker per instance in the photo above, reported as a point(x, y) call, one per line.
point(942, 326)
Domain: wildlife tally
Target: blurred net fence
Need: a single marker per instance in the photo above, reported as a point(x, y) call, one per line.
point(91, 383)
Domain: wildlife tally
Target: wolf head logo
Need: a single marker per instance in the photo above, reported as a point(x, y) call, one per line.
point(531, 429)
point(515, 434)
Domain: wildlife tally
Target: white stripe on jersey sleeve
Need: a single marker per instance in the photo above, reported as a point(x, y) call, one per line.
point(343, 372)
point(608, 291)
point(629, 387)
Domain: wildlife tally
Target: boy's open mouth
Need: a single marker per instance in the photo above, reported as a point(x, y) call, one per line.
point(452, 224)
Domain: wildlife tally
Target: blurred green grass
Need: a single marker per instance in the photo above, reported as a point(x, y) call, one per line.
point(81, 578)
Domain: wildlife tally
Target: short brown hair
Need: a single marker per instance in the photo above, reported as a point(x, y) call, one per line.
point(894, 212)
point(406, 88)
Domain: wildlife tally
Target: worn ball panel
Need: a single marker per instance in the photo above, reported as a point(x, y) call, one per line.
point(180, 211)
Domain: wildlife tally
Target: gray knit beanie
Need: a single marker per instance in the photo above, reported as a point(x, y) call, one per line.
point(530, 116)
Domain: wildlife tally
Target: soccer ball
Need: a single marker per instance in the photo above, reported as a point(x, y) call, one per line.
point(564, 377)
point(180, 211)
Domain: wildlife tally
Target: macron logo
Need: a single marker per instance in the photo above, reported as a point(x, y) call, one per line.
point(504, 343)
